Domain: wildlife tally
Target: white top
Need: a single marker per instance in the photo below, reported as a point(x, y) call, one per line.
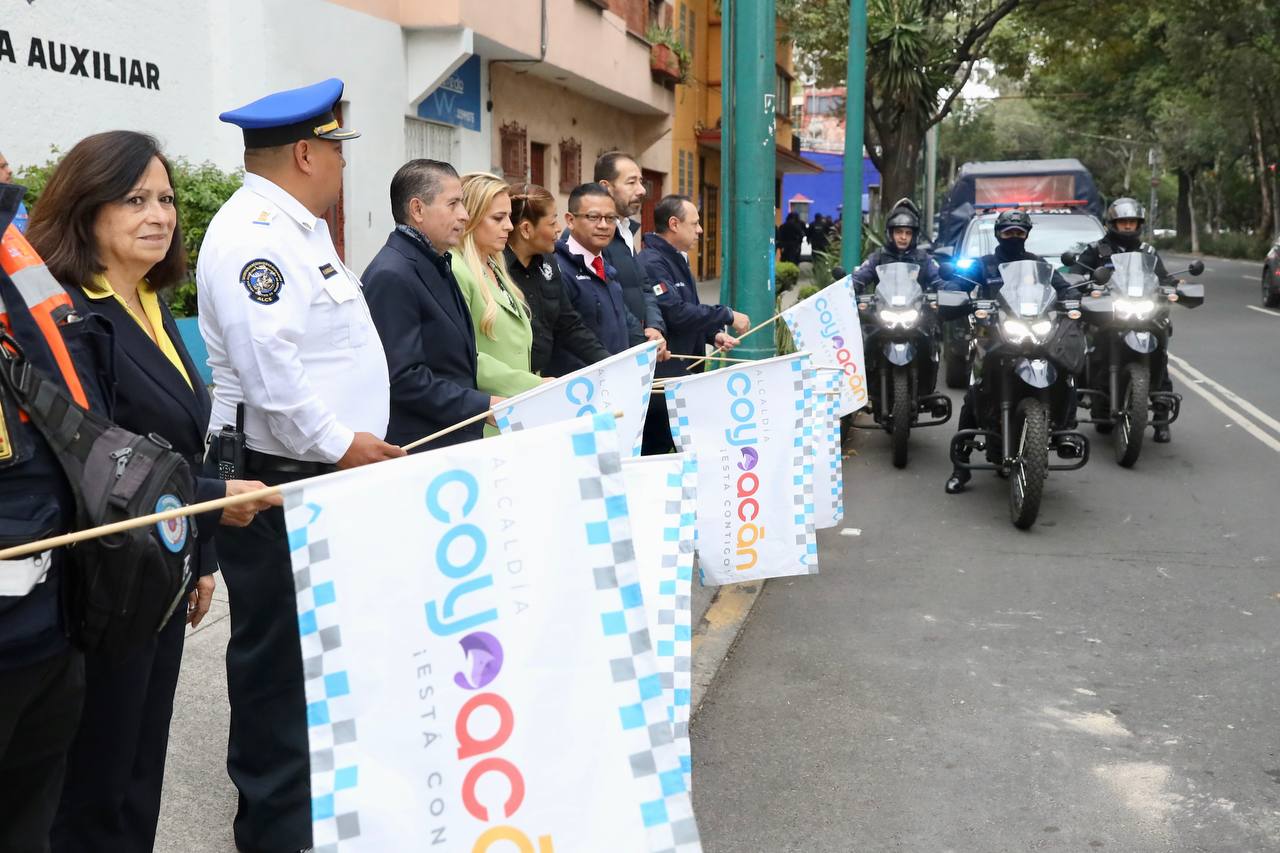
point(624, 228)
point(581, 251)
point(288, 330)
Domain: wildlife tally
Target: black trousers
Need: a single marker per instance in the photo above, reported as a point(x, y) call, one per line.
point(39, 711)
point(656, 438)
point(267, 757)
point(111, 798)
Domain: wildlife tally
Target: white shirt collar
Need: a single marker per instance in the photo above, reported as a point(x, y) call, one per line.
point(578, 249)
point(275, 194)
point(624, 228)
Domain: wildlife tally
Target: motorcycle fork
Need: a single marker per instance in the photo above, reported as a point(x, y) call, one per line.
point(1006, 411)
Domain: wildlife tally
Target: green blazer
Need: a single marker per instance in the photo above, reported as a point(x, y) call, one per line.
point(502, 365)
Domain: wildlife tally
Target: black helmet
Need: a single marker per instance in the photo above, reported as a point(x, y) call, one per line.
point(1012, 219)
point(905, 214)
point(1125, 208)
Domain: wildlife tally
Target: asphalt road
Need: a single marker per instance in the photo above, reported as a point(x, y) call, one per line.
point(1107, 680)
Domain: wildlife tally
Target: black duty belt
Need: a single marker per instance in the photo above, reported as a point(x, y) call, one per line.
point(256, 461)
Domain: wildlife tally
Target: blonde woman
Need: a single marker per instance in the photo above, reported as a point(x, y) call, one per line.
point(499, 312)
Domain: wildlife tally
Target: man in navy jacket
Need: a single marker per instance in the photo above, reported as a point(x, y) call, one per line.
point(691, 325)
point(419, 311)
point(591, 282)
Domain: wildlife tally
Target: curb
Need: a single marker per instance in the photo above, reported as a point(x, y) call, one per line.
point(716, 634)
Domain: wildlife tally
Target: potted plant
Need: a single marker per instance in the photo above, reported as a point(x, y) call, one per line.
point(669, 60)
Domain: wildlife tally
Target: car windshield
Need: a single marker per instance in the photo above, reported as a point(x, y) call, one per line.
point(1027, 289)
point(1135, 273)
point(899, 286)
point(1051, 235)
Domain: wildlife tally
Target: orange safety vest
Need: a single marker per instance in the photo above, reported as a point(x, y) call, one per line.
point(47, 301)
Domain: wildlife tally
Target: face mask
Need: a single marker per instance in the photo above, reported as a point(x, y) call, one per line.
point(1128, 241)
point(1013, 245)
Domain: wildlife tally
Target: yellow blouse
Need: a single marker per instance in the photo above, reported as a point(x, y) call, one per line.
point(100, 288)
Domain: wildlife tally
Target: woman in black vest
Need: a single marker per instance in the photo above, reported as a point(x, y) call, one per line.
point(107, 227)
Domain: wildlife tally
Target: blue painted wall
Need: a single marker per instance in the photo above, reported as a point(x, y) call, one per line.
point(189, 328)
point(826, 189)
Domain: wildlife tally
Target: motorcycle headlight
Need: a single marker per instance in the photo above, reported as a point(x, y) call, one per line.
point(1135, 309)
point(1017, 331)
point(900, 318)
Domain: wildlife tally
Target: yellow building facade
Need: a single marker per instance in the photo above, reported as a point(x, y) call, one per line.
point(695, 126)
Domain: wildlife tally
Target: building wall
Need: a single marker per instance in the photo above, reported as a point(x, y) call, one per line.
point(213, 57)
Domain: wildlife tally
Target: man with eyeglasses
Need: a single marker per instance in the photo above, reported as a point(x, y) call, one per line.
point(591, 282)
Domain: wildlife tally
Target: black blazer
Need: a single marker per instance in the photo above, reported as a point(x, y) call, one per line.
point(430, 343)
point(151, 396)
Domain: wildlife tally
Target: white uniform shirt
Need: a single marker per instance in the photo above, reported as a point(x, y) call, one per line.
point(288, 330)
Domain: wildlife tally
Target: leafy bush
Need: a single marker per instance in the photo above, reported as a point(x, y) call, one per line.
point(787, 275)
point(200, 189)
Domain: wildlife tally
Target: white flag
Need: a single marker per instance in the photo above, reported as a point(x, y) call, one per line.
point(746, 429)
point(828, 468)
point(660, 501)
point(622, 381)
point(827, 325)
point(477, 660)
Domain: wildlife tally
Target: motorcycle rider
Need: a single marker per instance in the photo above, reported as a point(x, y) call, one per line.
point(1012, 228)
point(902, 235)
point(1124, 220)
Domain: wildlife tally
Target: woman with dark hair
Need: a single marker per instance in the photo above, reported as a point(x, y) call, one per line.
point(107, 227)
point(530, 257)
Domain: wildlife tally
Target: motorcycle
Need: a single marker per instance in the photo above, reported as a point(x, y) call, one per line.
point(1022, 383)
point(900, 334)
point(1128, 321)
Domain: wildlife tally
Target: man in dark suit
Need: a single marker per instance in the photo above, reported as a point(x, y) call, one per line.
point(621, 176)
point(420, 313)
point(691, 325)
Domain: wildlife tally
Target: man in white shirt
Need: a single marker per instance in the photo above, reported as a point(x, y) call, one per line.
point(291, 340)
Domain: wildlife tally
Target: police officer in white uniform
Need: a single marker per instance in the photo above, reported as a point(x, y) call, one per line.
point(290, 339)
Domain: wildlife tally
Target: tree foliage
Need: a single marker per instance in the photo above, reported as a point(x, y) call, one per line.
point(920, 53)
point(1193, 80)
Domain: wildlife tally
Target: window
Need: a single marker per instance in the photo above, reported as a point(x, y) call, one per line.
point(427, 140)
point(515, 152)
point(538, 163)
point(782, 94)
point(570, 164)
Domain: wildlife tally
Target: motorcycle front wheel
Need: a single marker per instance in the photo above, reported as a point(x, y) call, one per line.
point(1031, 465)
point(1131, 421)
point(901, 418)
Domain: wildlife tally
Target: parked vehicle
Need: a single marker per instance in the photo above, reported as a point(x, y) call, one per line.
point(1053, 232)
point(901, 334)
point(1128, 321)
point(1271, 277)
point(1024, 395)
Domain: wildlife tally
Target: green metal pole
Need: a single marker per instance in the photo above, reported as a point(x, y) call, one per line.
point(727, 290)
point(752, 156)
point(855, 92)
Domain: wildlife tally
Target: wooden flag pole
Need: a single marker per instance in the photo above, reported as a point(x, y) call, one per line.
point(740, 337)
point(195, 509)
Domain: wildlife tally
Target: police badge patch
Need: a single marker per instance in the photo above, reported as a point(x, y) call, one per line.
point(263, 280)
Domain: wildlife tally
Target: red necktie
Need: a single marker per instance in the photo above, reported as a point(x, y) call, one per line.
point(597, 264)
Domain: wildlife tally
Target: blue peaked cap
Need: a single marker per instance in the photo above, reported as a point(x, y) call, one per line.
point(288, 116)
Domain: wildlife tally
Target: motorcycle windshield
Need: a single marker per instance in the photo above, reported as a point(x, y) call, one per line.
point(899, 286)
point(1134, 274)
point(1027, 290)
